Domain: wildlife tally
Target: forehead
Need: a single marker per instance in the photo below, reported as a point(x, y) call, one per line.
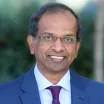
point(60, 21)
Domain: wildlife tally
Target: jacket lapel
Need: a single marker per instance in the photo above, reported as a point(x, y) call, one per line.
point(30, 89)
point(78, 95)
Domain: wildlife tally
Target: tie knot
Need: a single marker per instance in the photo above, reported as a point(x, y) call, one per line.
point(55, 90)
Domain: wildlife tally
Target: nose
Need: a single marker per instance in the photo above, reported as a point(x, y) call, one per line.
point(58, 45)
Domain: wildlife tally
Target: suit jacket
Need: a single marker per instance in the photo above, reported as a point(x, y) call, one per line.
point(24, 90)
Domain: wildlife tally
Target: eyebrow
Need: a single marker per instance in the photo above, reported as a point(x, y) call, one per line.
point(71, 34)
point(48, 33)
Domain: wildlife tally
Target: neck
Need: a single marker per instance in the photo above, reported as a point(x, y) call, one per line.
point(54, 78)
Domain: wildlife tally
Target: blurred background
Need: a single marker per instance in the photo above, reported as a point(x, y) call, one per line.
point(15, 58)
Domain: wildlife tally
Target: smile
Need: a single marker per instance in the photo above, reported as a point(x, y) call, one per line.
point(57, 58)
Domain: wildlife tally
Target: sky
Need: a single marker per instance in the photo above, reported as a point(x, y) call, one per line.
point(76, 5)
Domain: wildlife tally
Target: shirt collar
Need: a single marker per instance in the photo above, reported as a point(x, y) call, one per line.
point(44, 83)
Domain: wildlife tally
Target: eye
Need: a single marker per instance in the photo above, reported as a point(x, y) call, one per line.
point(68, 39)
point(47, 37)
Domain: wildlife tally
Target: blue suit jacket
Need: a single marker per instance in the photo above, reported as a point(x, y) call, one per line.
point(24, 90)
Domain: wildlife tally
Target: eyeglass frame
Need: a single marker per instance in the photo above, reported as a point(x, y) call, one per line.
point(54, 38)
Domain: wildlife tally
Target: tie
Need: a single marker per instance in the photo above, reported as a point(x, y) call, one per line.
point(55, 90)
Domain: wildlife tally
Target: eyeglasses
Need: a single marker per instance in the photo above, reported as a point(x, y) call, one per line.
point(50, 39)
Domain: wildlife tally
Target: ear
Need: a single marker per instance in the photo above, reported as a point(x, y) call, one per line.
point(30, 41)
point(77, 48)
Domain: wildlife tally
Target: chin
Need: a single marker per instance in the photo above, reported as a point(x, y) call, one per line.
point(58, 69)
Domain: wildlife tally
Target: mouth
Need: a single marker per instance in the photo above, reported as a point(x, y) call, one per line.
point(57, 58)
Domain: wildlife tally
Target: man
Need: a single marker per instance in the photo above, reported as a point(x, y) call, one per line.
point(54, 40)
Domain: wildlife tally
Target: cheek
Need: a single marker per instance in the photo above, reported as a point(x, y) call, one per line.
point(71, 51)
point(41, 49)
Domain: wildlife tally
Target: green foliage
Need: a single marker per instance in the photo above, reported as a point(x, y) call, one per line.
point(15, 58)
point(84, 61)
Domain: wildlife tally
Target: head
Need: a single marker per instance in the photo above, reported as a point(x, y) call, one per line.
point(52, 29)
point(51, 7)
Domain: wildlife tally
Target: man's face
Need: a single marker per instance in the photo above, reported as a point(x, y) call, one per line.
point(55, 56)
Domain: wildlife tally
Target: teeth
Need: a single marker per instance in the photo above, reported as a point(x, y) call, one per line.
point(56, 57)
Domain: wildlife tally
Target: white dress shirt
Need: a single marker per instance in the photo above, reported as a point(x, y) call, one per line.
point(45, 94)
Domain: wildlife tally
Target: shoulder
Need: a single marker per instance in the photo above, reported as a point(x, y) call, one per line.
point(10, 91)
point(16, 83)
point(11, 86)
point(91, 87)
